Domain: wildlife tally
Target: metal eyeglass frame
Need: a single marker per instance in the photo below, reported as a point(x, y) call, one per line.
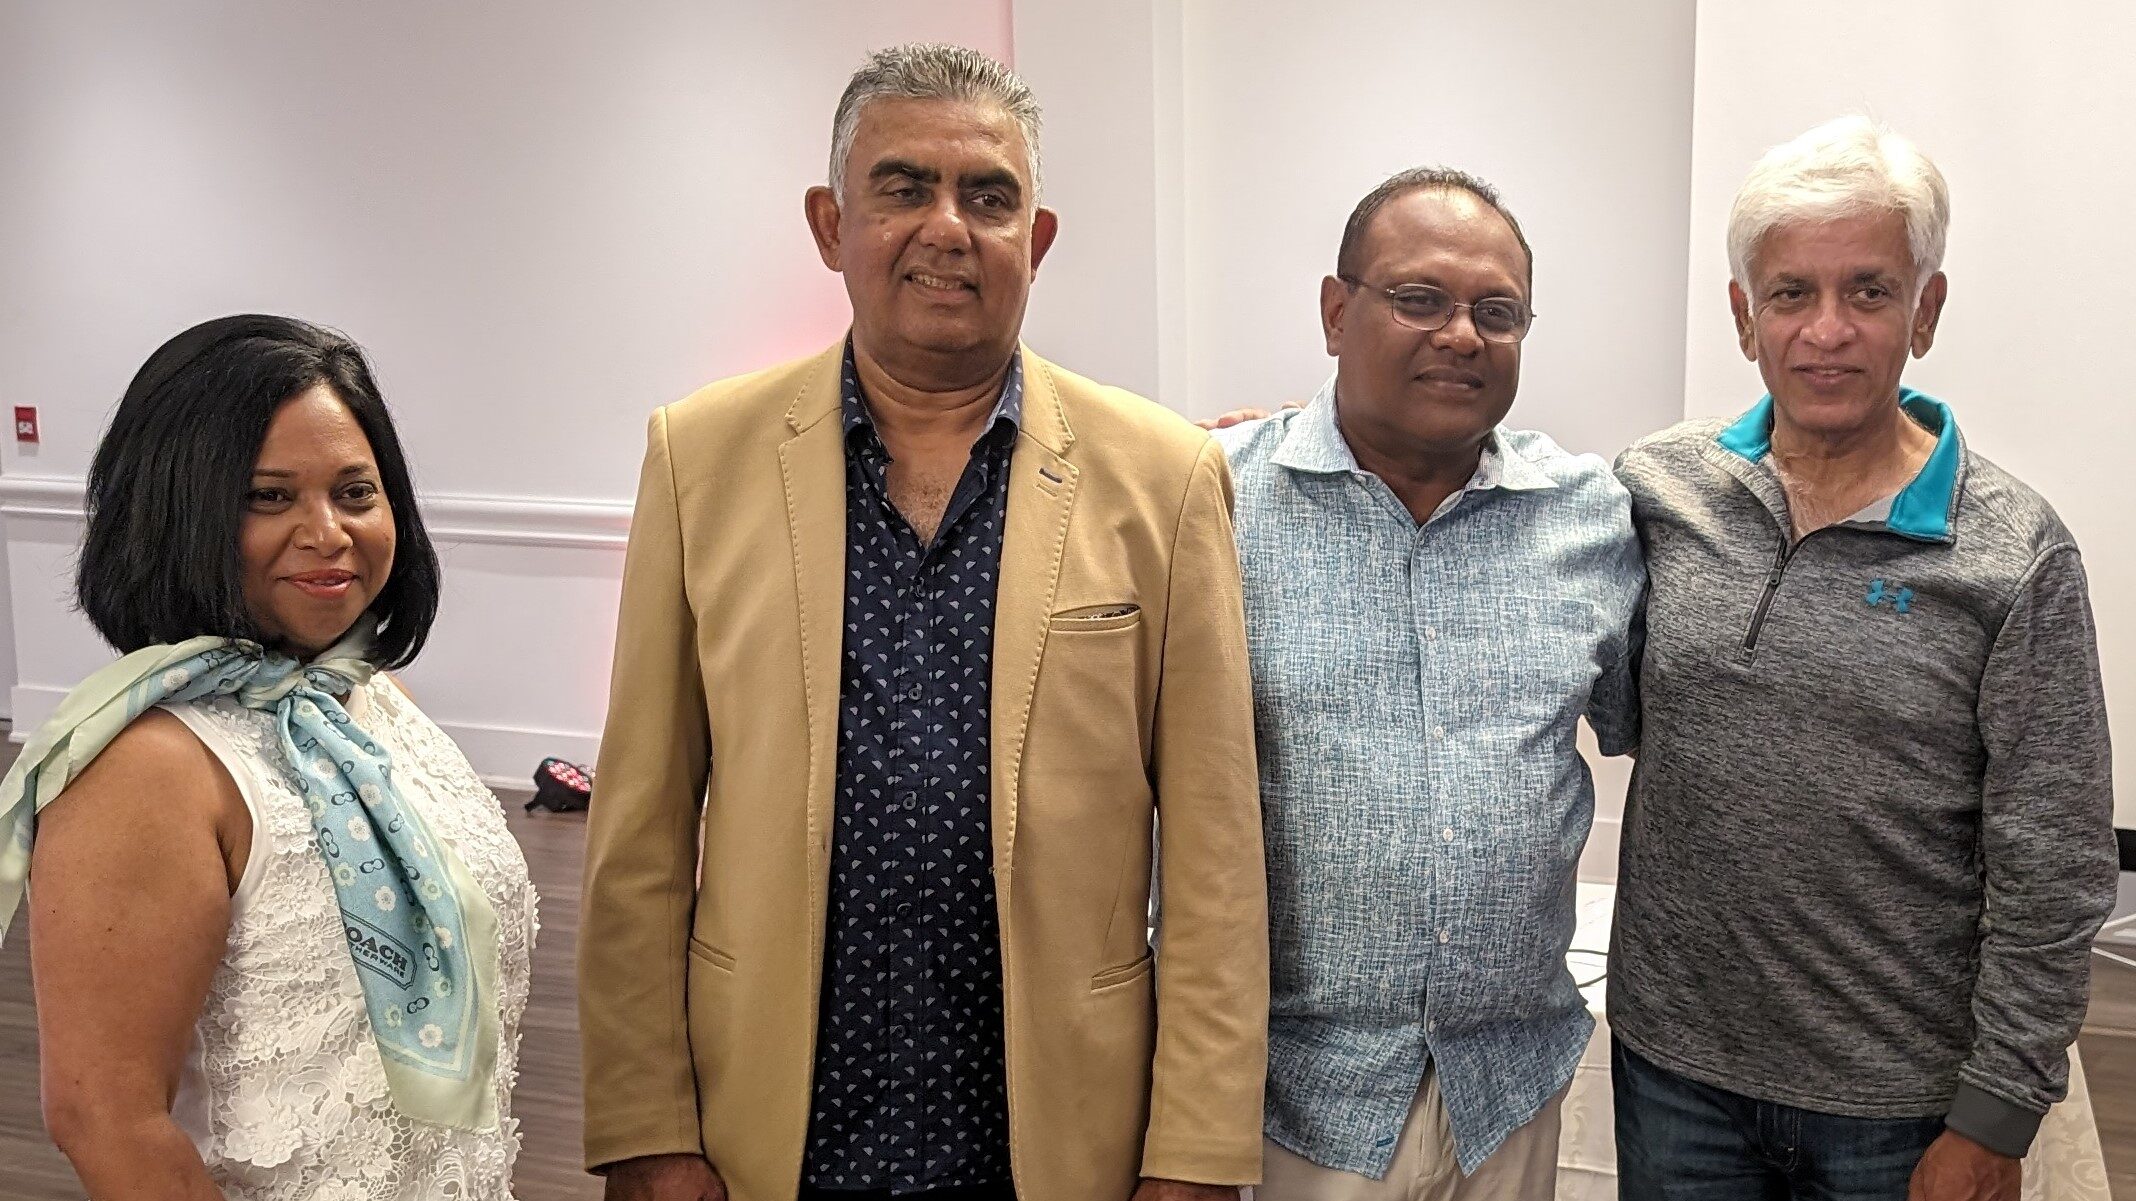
point(1389, 295)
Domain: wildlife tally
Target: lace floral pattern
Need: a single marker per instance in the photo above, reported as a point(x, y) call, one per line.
point(295, 1102)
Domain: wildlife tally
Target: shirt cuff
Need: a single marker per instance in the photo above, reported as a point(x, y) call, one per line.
point(2001, 1126)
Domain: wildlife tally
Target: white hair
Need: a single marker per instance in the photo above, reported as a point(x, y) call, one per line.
point(1846, 167)
point(931, 71)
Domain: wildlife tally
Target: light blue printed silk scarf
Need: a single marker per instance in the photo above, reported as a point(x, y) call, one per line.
point(422, 934)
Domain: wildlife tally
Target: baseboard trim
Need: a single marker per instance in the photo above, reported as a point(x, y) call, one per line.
point(506, 756)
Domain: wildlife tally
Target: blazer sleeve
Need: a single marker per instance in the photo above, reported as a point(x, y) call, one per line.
point(1212, 950)
point(642, 848)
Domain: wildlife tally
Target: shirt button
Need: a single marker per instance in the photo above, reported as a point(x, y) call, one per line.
point(1438, 731)
point(1431, 1025)
point(896, 1032)
point(904, 909)
point(908, 801)
point(1445, 935)
point(918, 691)
point(1446, 835)
point(1430, 634)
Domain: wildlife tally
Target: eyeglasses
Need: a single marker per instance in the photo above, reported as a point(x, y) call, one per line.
point(1423, 307)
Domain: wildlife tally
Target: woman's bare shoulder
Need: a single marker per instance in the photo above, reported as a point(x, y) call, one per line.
point(158, 763)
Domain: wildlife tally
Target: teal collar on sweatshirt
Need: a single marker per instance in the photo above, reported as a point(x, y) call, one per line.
point(1922, 509)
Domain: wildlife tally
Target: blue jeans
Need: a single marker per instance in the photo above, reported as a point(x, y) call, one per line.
point(1679, 1140)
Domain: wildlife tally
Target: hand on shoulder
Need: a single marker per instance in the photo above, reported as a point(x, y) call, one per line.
point(1225, 421)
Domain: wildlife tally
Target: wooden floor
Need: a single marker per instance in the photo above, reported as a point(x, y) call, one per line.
point(2109, 1048)
point(547, 1099)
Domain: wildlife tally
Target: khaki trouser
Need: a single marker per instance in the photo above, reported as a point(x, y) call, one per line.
point(1523, 1168)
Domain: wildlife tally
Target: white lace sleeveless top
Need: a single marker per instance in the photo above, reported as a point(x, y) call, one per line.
point(283, 1092)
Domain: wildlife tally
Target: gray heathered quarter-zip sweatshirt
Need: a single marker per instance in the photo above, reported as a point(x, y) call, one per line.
point(1870, 832)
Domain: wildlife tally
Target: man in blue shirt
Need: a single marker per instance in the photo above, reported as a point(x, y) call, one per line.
point(1432, 603)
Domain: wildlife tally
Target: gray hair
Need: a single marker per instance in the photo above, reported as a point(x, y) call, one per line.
point(1847, 167)
point(1419, 179)
point(931, 71)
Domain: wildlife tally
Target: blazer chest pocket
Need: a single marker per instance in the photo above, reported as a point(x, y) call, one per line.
point(1086, 713)
point(1092, 619)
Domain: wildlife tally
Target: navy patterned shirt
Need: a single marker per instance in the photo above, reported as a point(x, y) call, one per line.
point(909, 1091)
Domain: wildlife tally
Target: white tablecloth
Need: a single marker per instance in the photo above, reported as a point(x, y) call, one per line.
point(2065, 1163)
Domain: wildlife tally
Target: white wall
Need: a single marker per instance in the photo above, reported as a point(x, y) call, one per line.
point(1579, 113)
point(2030, 115)
point(8, 675)
point(1099, 68)
point(543, 219)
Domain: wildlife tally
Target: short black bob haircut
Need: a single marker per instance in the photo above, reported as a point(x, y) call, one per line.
point(160, 562)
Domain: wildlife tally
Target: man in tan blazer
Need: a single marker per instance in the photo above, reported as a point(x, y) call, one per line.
point(929, 650)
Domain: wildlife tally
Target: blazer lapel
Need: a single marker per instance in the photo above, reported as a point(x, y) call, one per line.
point(1042, 487)
point(812, 468)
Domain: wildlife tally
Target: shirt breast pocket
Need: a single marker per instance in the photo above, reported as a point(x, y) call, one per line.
point(1533, 662)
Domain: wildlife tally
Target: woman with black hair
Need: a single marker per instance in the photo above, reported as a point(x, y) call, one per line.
point(281, 933)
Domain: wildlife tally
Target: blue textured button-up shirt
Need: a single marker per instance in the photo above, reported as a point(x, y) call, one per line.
point(1417, 693)
point(909, 1089)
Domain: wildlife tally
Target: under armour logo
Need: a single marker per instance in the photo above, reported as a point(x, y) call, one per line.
point(1901, 598)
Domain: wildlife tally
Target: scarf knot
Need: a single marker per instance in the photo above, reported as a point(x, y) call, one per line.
point(420, 931)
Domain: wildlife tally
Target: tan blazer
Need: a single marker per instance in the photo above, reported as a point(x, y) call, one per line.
point(698, 988)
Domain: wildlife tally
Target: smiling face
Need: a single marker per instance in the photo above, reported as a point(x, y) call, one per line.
point(1830, 316)
point(938, 237)
point(1408, 391)
point(317, 536)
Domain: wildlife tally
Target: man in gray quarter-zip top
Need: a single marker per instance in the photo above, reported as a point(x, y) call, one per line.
point(1869, 836)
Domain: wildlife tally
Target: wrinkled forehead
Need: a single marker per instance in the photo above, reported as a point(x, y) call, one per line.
point(1446, 238)
point(1833, 246)
point(949, 137)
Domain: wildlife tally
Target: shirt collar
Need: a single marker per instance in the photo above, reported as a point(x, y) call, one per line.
point(1516, 472)
point(1314, 443)
point(1923, 508)
point(853, 405)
